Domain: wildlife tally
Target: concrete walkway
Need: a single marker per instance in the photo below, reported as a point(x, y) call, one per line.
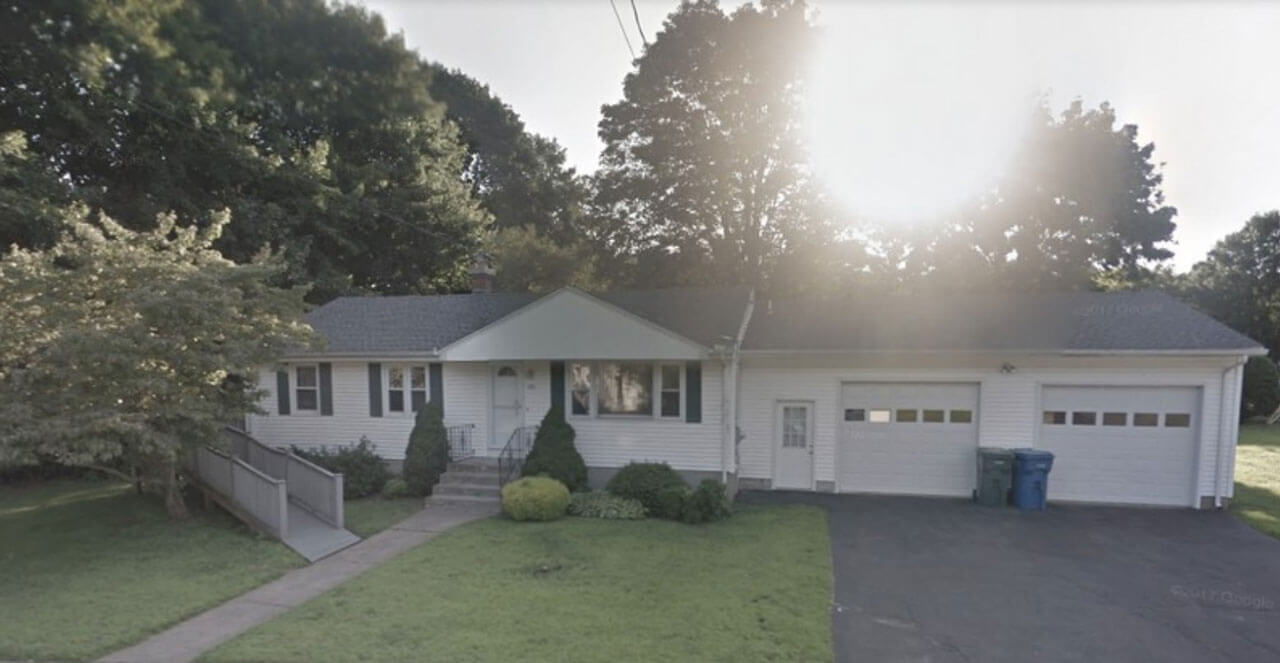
point(191, 638)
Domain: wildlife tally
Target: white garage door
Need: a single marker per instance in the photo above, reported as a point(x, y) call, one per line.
point(1133, 445)
point(908, 438)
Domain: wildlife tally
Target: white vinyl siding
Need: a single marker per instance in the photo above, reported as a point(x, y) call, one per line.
point(603, 442)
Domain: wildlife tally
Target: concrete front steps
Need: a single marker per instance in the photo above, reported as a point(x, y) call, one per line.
point(468, 481)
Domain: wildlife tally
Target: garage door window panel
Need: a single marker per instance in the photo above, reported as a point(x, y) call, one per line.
point(1084, 418)
point(962, 416)
point(1146, 419)
point(933, 416)
point(907, 416)
point(880, 416)
point(1177, 420)
point(1055, 417)
point(1115, 418)
point(855, 414)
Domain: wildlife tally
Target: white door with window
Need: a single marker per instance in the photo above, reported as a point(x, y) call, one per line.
point(793, 455)
point(508, 405)
point(910, 438)
point(1126, 445)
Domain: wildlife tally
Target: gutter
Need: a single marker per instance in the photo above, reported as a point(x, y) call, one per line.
point(1224, 425)
point(1254, 351)
point(729, 445)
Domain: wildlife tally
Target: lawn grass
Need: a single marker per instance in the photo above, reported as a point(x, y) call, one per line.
point(756, 587)
point(1257, 489)
point(369, 515)
point(88, 567)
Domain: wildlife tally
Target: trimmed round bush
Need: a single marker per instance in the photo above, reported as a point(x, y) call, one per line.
point(535, 498)
point(603, 505)
point(706, 503)
point(394, 488)
point(655, 485)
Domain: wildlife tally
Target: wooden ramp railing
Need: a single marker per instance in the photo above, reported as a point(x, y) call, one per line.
point(277, 492)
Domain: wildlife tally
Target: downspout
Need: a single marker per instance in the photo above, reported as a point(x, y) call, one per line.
point(1224, 428)
point(728, 447)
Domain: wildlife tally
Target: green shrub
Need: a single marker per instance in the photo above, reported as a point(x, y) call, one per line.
point(1261, 391)
point(535, 498)
point(707, 503)
point(427, 456)
point(362, 469)
point(655, 485)
point(395, 487)
point(600, 504)
point(554, 455)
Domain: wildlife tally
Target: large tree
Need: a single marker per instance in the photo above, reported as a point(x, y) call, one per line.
point(1239, 281)
point(125, 350)
point(703, 178)
point(312, 125)
point(1080, 195)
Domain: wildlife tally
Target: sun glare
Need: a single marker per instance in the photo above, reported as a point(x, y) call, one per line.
point(907, 118)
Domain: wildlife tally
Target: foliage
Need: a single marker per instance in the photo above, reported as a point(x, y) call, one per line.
point(1261, 392)
point(703, 176)
point(535, 498)
point(1079, 196)
point(363, 470)
point(1238, 283)
point(600, 504)
point(706, 503)
point(305, 120)
point(31, 196)
point(90, 567)
point(529, 261)
point(427, 455)
point(554, 455)
point(655, 485)
point(395, 487)
point(756, 587)
point(520, 178)
point(131, 349)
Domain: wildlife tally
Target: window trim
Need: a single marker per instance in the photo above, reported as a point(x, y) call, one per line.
point(407, 390)
point(594, 373)
point(295, 388)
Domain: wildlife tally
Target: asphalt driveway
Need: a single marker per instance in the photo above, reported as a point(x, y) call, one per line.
point(944, 580)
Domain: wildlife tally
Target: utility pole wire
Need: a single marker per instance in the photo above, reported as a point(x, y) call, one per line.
point(623, 28)
point(639, 29)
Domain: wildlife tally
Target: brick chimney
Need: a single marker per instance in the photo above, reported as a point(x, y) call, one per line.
point(482, 273)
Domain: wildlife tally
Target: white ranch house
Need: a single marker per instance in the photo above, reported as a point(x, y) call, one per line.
point(1135, 393)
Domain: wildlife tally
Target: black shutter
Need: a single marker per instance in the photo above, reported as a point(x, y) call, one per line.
point(282, 392)
point(557, 385)
point(375, 390)
point(326, 389)
point(435, 381)
point(693, 392)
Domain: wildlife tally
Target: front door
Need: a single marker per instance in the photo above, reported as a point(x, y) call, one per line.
point(793, 456)
point(508, 411)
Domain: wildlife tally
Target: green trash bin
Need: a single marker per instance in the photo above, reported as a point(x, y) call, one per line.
point(995, 476)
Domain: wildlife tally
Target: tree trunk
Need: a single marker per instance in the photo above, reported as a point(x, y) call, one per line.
point(173, 502)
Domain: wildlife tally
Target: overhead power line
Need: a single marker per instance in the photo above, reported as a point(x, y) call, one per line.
point(623, 28)
point(636, 13)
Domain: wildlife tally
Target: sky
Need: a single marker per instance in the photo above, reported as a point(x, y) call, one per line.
point(915, 106)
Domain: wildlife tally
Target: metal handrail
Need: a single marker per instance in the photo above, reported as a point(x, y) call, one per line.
point(511, 460)
point(460, 445)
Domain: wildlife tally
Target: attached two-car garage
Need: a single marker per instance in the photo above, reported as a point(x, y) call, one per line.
point(1113, 444)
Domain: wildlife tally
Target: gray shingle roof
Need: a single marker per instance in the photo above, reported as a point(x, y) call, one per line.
point(425, 323)
point(408, 323)
point(1137, 321)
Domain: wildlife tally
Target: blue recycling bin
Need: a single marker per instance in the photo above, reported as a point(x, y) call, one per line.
point(1031, 478)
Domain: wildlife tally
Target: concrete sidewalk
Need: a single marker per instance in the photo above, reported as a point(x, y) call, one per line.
point(191, 638)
